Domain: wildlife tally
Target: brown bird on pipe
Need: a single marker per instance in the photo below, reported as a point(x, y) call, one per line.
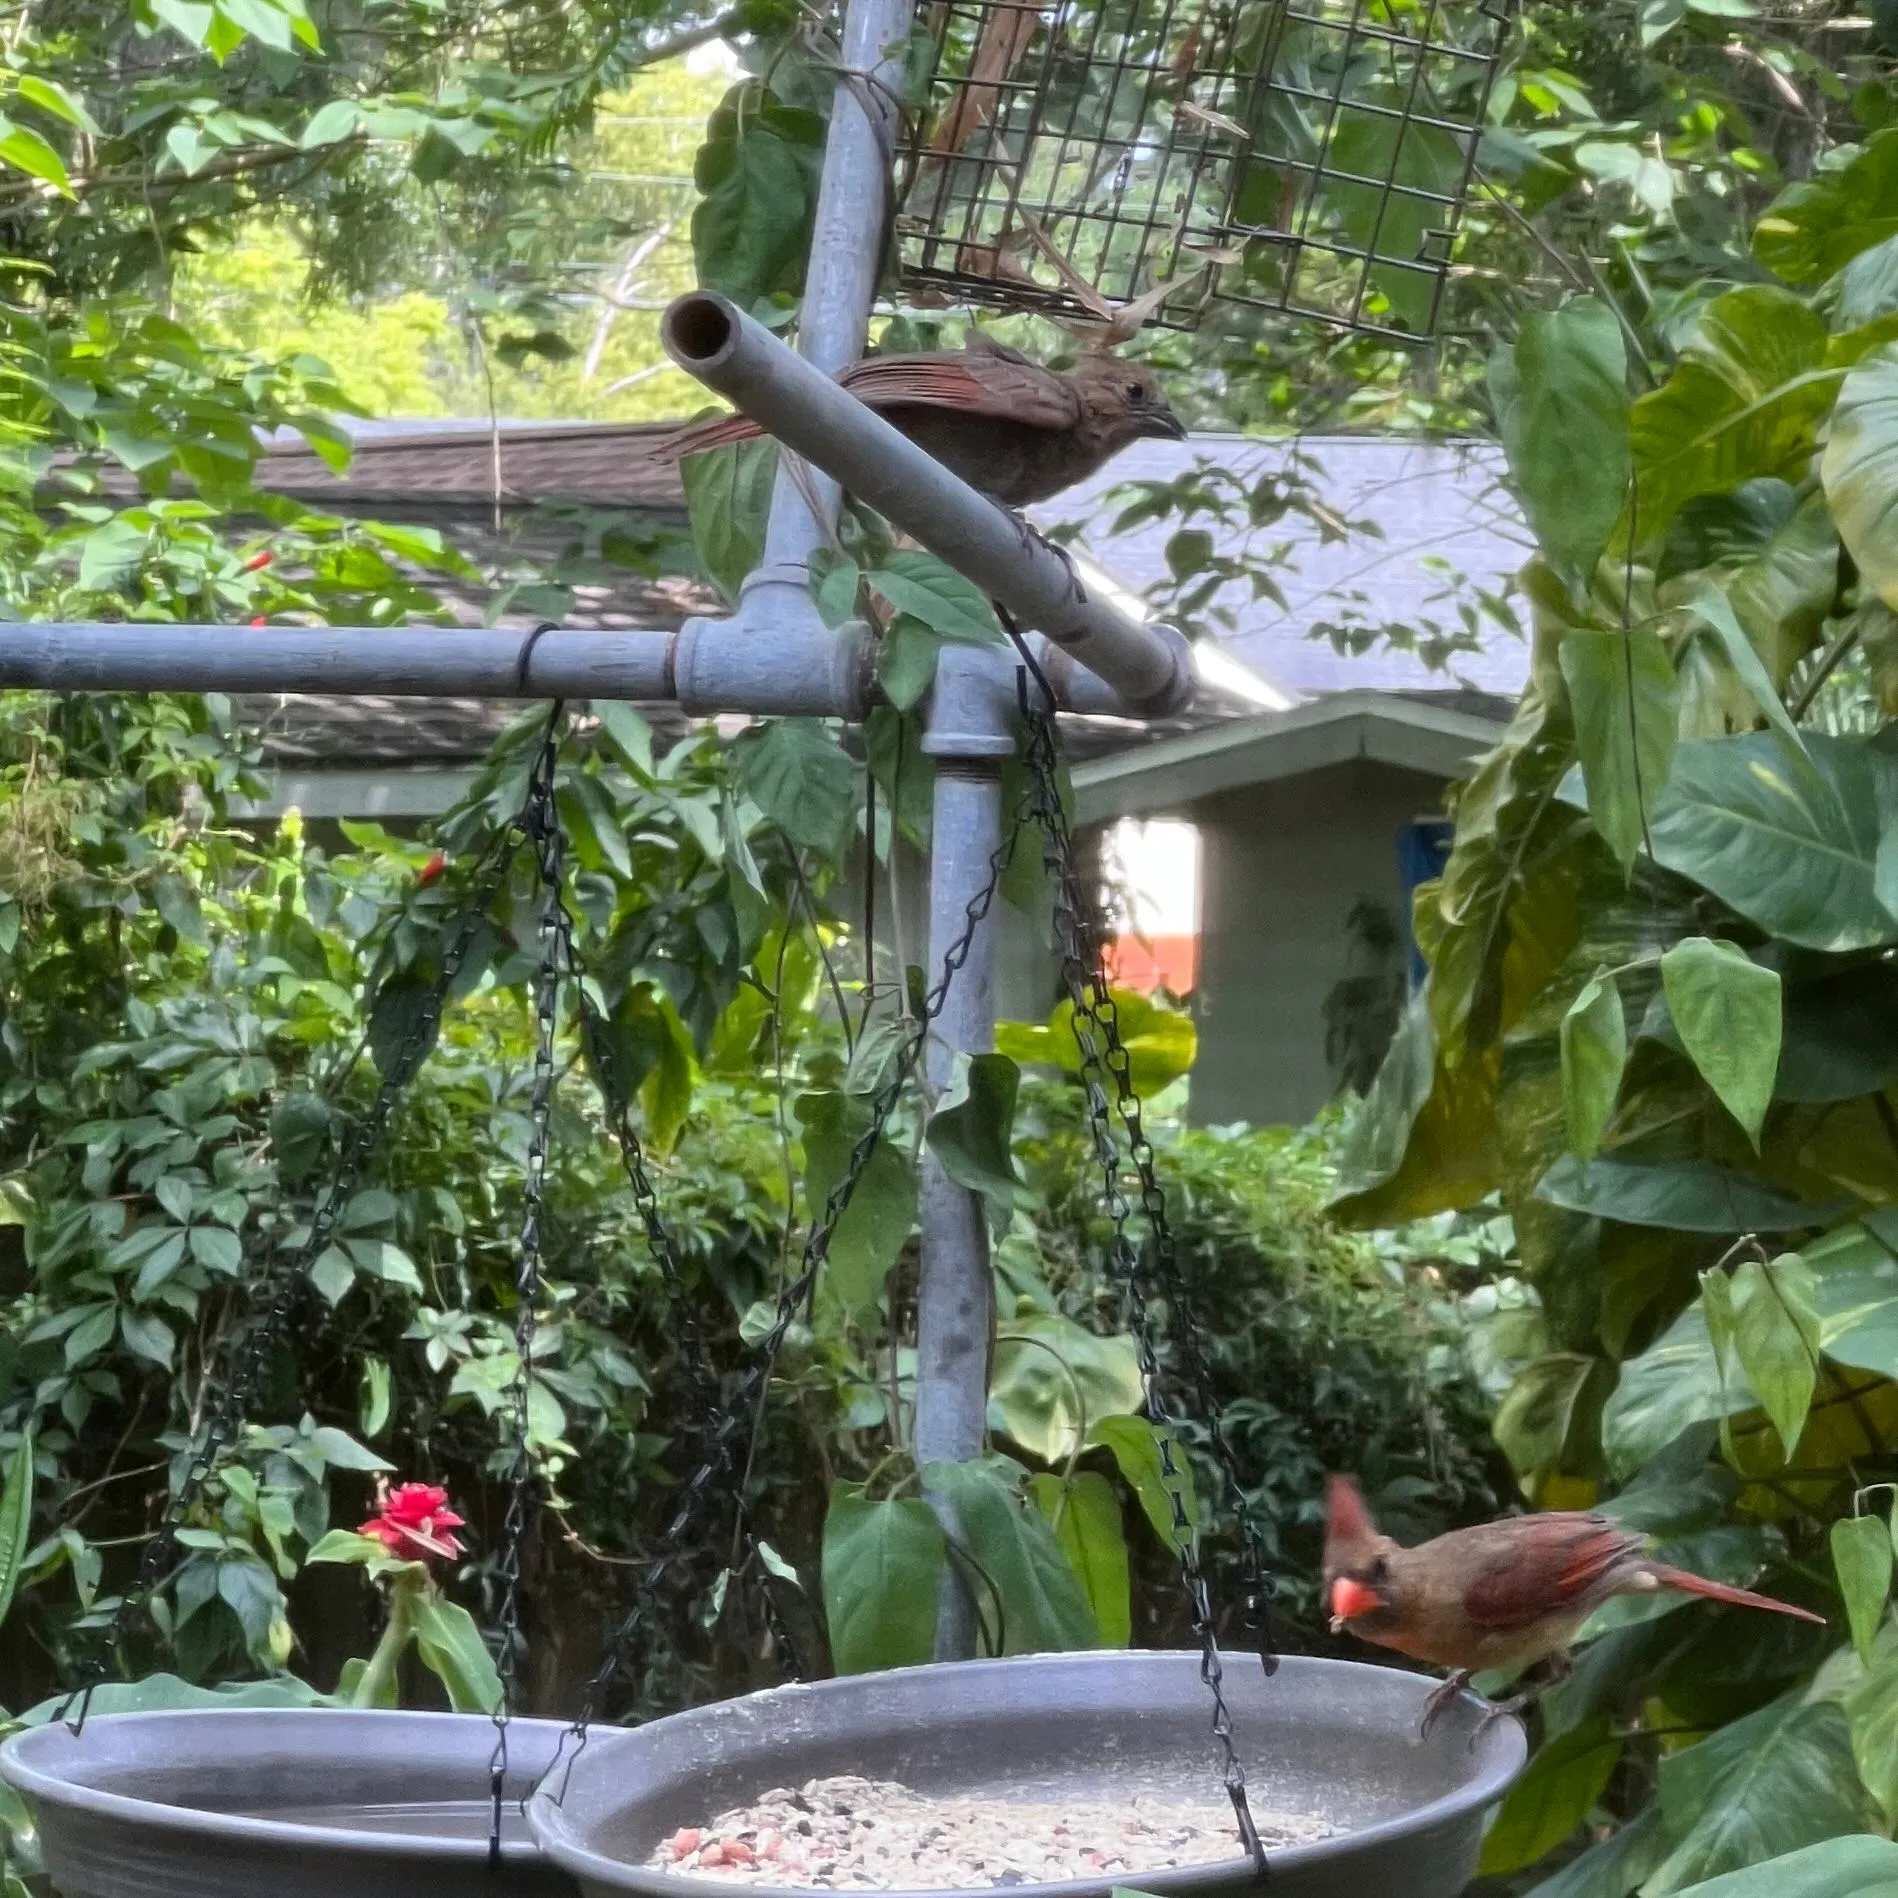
point(1011, 429)
point(1503, 1595)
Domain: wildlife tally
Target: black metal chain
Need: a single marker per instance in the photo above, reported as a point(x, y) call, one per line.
point(710, 1480)
point(1102, 1054)
point(541, 820)
point(1097, 1005)
point(248, 1349)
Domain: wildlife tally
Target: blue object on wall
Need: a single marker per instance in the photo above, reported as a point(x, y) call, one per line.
point(1422, 850)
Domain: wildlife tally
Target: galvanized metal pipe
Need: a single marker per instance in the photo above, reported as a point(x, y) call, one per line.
point(955, 1292)
point(391, 661)
point(1149, 666)
point(840, 280)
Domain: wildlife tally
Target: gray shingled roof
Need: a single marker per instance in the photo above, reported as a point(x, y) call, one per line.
point(1434, 502)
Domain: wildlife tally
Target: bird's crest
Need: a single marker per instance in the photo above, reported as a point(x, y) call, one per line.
point(1348, 1524)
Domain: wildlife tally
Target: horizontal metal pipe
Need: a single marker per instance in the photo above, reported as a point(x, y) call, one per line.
point(1149, 666)
point(394, 661)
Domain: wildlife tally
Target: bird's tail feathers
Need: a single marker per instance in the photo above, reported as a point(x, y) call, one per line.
point(1691, 1584)
point(702, 436)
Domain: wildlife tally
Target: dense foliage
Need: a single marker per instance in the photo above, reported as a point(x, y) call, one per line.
point(1658, 1021)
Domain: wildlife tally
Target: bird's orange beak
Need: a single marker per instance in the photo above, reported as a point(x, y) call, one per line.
point(1350, 1599)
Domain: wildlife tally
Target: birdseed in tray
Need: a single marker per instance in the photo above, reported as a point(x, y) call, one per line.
point(849, 1834)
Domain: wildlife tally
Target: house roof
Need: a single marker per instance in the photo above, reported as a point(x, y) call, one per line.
point(1413, 732)
point(1440, 507)
point(451, 464)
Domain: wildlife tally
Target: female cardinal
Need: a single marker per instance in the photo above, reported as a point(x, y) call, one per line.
point(1504, 1595)
point(1010, 428)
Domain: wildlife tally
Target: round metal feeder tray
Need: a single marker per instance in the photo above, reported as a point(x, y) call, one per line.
point(281, 1802)
point(1329, 1738)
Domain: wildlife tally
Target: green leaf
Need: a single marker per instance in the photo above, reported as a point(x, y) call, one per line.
point(331, 123)
point(1594, 1043)
point(1794, 853)
point(452, 1649)
point(91, 1334)
point(1871, 1710)
point(1545, 1806)
point(1776, 1335)
point(372, 1397)
point(1565, 426)
point(1054, 1380)
point(1726, 1010)
point(1744, 400)
point(1685, 1195)
point(1024, 1579)
point(147, 1336)
point(906, 662)
point(1161, 1043)
point(1860, 469)
point(728, 501)
point(757, 176)
point(24, 149)
point(800, 776)
point(875, 1226)
point(1626, 701)
point(928, 589)
point(1084, 1513)
point(16, 1520)
point(1862, 1559)
point(1718, 612)
point(1539, 1417)
point(50, 96)
point(1816, 227)
point(1140, 1454)
point(882, 1570)
point(1615, 1867)
point(166, 1693)
point(1776, 1780)
point(111, 553)
point(970, 1131)
point(1851, 1867)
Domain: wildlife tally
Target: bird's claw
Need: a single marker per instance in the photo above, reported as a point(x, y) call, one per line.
point(1498, 1710)
point(1441, 1697)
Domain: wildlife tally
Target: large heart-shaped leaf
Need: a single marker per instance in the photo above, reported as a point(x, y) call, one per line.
point(882, 1569)
point(1054, 1381)
point(1768, 1784)
point(1561, 397)
point(1816, 227)
point(1861, 469)
point(1626, 702)
point(1744, 401)
point(1031, 1601)
point(1792, 850)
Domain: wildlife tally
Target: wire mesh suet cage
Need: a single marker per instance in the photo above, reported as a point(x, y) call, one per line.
point(1310, 157)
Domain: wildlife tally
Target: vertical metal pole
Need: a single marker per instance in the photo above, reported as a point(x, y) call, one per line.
point(853, 206)
point(969, 738)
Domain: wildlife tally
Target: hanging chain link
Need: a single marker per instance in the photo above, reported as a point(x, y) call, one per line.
point(1096, 1033)
point(244, 1357)
point(541, 821)
point(709, 1482)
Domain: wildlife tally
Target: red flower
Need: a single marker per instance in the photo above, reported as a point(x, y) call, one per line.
point(415, 1522)
point(431, 869)
point(257, 562)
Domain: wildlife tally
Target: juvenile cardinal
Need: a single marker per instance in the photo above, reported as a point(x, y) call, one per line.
point(1504, 1595)
point(1010, 428)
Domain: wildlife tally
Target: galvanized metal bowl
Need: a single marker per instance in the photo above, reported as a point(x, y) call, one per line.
point(269, 1802)
point(1330, 1738)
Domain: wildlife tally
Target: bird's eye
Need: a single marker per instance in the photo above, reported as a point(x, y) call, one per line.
point(1380, 1572)
point(1136, 392)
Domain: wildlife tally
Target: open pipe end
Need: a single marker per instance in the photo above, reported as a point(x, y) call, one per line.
point(698, 330)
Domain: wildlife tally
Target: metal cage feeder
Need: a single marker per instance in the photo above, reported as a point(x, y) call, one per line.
point(1303, 157)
